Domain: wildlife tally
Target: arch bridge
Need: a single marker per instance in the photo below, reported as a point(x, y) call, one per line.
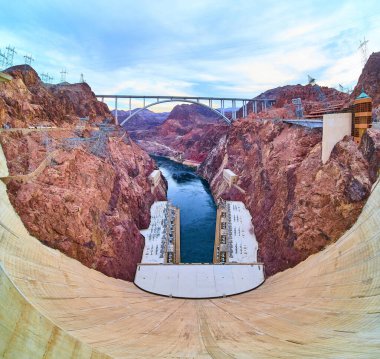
point(246, 105)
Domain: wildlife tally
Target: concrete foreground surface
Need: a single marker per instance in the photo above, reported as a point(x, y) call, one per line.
point(52, 306)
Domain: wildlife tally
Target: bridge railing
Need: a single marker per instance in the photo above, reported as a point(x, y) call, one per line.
point(229, 114)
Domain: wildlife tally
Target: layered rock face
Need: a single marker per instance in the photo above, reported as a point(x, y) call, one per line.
point(143, 120)
point(26, 100)
point(369, 80)
point(92, 197)
point(298, 205)
point(189, 132)
point(311, 96)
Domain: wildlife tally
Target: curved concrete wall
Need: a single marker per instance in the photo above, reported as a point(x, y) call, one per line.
point(326, 307)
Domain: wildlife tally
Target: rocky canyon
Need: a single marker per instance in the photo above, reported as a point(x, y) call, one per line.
point(92, 196)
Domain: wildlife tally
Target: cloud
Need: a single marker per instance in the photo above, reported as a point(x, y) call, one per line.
point(202, 47)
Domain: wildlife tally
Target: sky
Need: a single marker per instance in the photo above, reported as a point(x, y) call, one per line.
point(231, 48)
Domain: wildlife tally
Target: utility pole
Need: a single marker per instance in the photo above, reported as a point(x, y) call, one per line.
point(10, 55)
point(45, 77)
point(3, 59)
point(363, 48)
point(28, 59)
point(63, 75)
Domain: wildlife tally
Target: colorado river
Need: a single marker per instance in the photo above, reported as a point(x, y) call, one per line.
point(192, 195)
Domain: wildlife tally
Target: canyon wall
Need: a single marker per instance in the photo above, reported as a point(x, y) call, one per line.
point(26, 100)
point(298, 205)
point(189, 133)
point(87, 191)
point(369, 80)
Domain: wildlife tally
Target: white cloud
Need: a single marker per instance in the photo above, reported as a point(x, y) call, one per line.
point(218, 48)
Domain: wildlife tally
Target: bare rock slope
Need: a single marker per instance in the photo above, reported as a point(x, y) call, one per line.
point(26, 100)
point(298, 205)
point(189, 132)
point(86, 202)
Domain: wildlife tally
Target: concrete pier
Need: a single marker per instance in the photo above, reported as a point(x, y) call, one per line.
point(235, 240)
point(162, 237)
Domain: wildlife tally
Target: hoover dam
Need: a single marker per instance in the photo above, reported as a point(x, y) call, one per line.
point(52, 306)
point(297, 206)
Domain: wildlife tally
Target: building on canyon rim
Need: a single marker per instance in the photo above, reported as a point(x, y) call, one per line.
point(362, 115)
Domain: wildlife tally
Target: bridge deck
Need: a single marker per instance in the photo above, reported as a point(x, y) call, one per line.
point(186, 97)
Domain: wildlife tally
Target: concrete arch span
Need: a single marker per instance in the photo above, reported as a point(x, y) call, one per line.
point(226, 119)
point(52, 306)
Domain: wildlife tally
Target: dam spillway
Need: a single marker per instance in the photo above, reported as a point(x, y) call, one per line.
point(234, 269)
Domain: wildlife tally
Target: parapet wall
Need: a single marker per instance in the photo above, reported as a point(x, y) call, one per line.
point(335, 127)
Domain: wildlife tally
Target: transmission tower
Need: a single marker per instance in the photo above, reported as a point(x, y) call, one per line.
point(45, 77)
point(344, 89)
point(50, 79)
point(82, 79)
point(321, 95)
point(311, 80)
point(3, 59)
point(363, 48)
point(63, 75)
point(298, 104)
point(28, 59)
point(10, 55)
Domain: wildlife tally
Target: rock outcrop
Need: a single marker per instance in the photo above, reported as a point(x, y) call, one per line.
point(369, 80)
point(26, 100)
point(298, 204)
point(92, 197)
point(143, 120)
point(312, 97)
point(189, 133)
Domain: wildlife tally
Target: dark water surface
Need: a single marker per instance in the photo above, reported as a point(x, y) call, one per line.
point(192, 195)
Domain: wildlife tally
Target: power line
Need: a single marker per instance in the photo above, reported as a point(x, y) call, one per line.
point(3, 59)
point(63, 75)
point(10, 55)
point(45, 77)
point(364, 50)
point(28, 60)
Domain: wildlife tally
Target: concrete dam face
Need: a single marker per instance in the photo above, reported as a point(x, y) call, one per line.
point(52, 306)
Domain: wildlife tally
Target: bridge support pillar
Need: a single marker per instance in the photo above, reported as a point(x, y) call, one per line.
point(116, 119)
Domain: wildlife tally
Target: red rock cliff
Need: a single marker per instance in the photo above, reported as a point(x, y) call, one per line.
point(298, 205)
point(27, 100)
point(91, 198)
point(190, 131)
